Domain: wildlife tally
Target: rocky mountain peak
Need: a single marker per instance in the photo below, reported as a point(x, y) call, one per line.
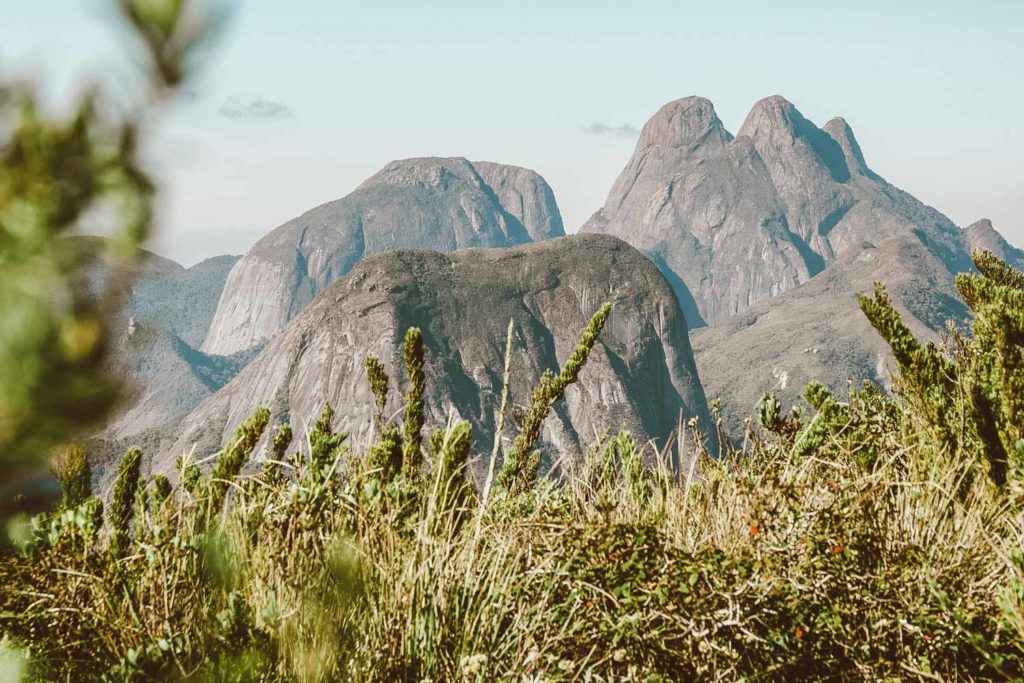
point(686, 123)
point(982, 235)
point(718, 214)
point(780, 131)
point(769, 114)
point(526, 195)
point(429, 172)
point(981, 226)
point(841, 132)
point(682, 133)
point(774, 122)
point(426, 203)
point(734, 221)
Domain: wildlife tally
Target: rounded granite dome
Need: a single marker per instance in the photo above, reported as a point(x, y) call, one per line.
point(684, 122)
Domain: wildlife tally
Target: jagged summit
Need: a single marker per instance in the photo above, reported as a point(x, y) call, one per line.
point(689, 122)
point(767, 236)
point(427, 203)
point(807, 166)
point(732, 221)
point(681, 134)
point(842, 133)
point(774, 111)
point(779, 129)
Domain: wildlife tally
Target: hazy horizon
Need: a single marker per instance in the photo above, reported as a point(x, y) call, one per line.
point(294, 109)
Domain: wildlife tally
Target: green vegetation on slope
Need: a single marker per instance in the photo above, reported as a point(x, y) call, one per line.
point(876, 538)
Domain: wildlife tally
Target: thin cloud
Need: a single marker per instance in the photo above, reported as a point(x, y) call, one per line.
point(255, 108)
point(623, 131)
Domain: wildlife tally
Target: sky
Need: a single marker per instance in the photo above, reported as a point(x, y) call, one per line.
point(298, 101)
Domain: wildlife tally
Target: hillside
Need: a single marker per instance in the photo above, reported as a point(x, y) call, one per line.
point(641, 376)
point(167, 311)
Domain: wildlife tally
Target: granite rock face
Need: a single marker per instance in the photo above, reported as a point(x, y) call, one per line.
point(432, 203)
point(640, 376)
point(817, 331)
point(183, 300)
point(526, 195)
point(733, 221)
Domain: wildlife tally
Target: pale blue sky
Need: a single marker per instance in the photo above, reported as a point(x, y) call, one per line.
point(302, 99)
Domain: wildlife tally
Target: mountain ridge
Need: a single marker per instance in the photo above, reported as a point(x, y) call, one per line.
point(435, 203)
point(749, 217)
point(167, 310)
point(640, 375)
point(768, 238)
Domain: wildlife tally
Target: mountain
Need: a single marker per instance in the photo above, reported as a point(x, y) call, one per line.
point(693, 198)
point(442, 204)
point(526, 195)
point(981, 235)
point(162, 292)
point(167, 378)
point(767, 237)
point(817, 332)
point(167, 312)
point(735, 220)
point(183, 300)
point(640, 376)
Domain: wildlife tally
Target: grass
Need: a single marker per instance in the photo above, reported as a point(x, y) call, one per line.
point(856, 540)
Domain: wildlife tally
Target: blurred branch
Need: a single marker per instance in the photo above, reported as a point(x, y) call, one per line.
point(54, 336)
